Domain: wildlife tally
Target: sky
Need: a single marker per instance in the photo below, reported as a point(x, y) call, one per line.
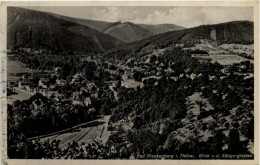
point(183, 16)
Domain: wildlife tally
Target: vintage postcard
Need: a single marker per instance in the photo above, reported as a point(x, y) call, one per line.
point(136, 82)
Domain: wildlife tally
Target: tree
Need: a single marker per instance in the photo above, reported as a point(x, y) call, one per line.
point(138, 121)
point(138, 76)
point(234, 143)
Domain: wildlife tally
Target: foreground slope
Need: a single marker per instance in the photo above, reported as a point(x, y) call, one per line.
point(38, 30)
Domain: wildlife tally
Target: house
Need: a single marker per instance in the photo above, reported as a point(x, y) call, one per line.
point(60, 82)
point(91, 110)
point(222, 77)
point(175, 78)
point(28, 50)
point(159, 73)
point(169, 70)
point(115, 84)
point(24, 85)
point(11, 84)
point(52, 94)
point(77, 78)
point(125, 77)
point(94, 95)
point(87, 101)
point(85, 89)
point(131, 83)
point(9, 51)
point(75, 95)
point(25, 76)
point(44, 92)
point(248, 76)
point(200, 75)
point(193, 76)
point(159, 68)
point(52, 87)
point(161, 64)
point(57, 69)
point(215, 91)
point(91, 86)
point(129, 60)
point(148, 60)
point(243, 67)
point(48, 94)
point(224, 70)
point(43, 83)
point(212, 77)
point(76, 98)
point(77, 102)
point(36, 52)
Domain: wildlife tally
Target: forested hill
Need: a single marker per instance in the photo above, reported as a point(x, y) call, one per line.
point(161, 28)
point(229, 32)
point(39, 30)
point(239, 32)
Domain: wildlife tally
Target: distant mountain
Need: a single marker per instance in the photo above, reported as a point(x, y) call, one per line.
point(161, 28)
point(124, 31)
point(39, 30)
point(127, 32)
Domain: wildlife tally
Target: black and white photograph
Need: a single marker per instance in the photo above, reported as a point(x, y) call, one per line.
point(130, 82)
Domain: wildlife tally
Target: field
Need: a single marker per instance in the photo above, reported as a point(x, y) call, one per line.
point(225, 59)
point(18, 96)
point(17, 67)
point(239, 48)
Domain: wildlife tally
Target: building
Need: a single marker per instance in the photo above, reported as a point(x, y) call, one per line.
point(193, 76)
point(25, 85)
point(131, 83)
point(115, 84)
point(76, 78)
point(60, 82)
point(87, 101)
point(94, 95)
point(43, 83)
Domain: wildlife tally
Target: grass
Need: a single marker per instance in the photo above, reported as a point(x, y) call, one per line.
point(18, 67)
point(224, 59)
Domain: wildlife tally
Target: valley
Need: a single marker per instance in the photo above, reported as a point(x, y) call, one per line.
point(86, 89)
